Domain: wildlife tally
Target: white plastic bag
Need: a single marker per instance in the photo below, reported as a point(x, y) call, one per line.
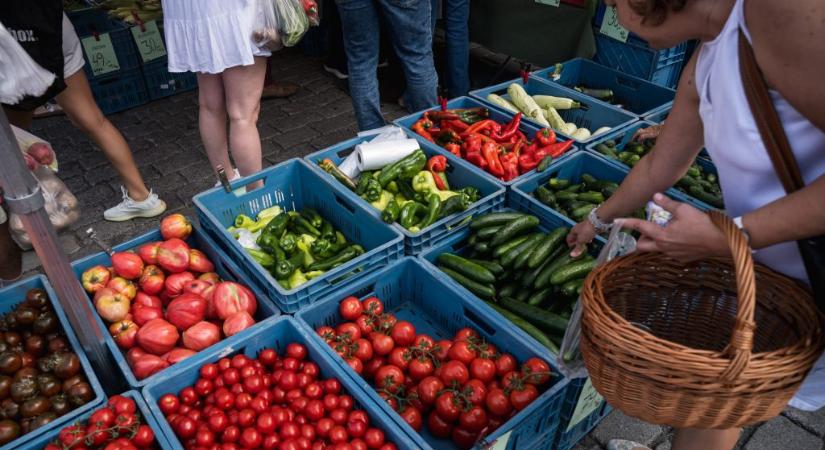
point(293, 20)
point(267, 32)
point(61, 206)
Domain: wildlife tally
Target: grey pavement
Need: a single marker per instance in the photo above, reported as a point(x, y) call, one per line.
point(166, 144)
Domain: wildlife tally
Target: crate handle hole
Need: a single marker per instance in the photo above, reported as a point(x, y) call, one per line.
point(473, 317)
point(344, 203)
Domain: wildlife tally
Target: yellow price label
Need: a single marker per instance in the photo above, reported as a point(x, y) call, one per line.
point(149, 41)
point(101, 54)
point(610, 25)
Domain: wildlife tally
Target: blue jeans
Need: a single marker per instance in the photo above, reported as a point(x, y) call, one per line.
point(408, 22)
point(456, 27)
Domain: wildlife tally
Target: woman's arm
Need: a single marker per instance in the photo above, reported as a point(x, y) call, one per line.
point(797, 216)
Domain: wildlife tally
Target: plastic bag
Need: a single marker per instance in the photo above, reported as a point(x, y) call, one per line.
point(61, 206)
point(267, 32)
point(311, 10)
point(570, 361)
point(293, 19)
point(24, 77)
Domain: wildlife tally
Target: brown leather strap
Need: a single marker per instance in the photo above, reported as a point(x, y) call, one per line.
point(767, 119)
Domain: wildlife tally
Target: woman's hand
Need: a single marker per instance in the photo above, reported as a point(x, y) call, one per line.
point(581, 235)
point(651, 132)
point(690, 235)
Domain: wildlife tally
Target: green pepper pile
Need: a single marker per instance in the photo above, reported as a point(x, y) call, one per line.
point(697, 182)
point(294, 247)
point(413, 191)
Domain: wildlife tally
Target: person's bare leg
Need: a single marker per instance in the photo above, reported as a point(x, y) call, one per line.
point(243, 86)
point(212, 121)
point(695, 438)
point(80, 107)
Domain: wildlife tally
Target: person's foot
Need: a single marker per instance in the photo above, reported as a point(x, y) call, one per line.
point(47, 110)
point(129, 209)
point(337, 72)
point(280, 90)
point(621, 444)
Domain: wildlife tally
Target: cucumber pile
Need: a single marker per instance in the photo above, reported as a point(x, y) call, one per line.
point(576, 200)
point(698, 183)
point(524, 273)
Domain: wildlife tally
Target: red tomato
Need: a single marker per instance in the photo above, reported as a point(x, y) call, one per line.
point(248, 371)
point(521, 398)
point(494, 423)
point(464, 438)
point(218, 422)
point(239, 361)
point(356, 365)
point(204, 437)
point(326, 333)
point(510, 380)
point(373, 306)
point(423, 341)
point(345, 402)
point(483, 369)
point(118, 444)
point(475, 392)
point(338, 434)
point(359, 414)
point(391, 401)
point(332, 386)
point(374, 438)
point(366, 324)
point(323, 426)
point(224, 399)
point(288, 381)
point(290, 430)
point(358, 444)
point(270, 442)
point(462, 351)
point(454, 371)
point(98, 434)
point(242, 400)
point(363, 350)
point(382, 344)
point(372, 366)
point(204, 387)
point(465, 334)
point(209, 371)
point(389, 377)
point(297, 351)
point(246, 418)
point(231, 376)
point(308, 432)
point(251, 438)
point(403, 333)
point(429, 388)
point(356, 428)
point(265, 423)
point(350, 308)
point(348, 330)
point(538, 371)
point(168, 404)
point(474, 419)
point(310, 369)
point(224, 363)
point(487, 350)
point(291, 364)
point(104, 416)
point(268, 357)
point(339, 416)
point(185, 428)
point(421, 368)
point(412, 416)
point(448, 406)
point(439, 427)
point(231, 434)
point(400, 357)
point(442, 349)
point(314, 410)
point(505, 363)
point(314, 390)
point(122, 405)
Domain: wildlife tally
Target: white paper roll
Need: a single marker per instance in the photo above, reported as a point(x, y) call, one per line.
point(375, 155)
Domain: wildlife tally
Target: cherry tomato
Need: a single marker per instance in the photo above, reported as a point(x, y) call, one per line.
point(185, 428)
point(231, 434)
point(389, 377)
point(314, 390)
point(483, 369)
point(454, 371)
point(473, 419)
point(346, 402)
point(310, 369)
point(103, 416)
point(429, 388)
point(239, 361)
point(475, 392)
point(448, 406)
point(204, 437)
point(462, 351)
point(359, 414)
point(204, 387)
point(349, 330)
point(326, 333)
point(268, 356)
point(439, 427)
point(539, 369)
point(400, 357)
point(382, 344)
point(248, 371)
point(297, 351)
point(224, 399)
point(403, 333)
point(498, 403)
point(231, 376)
point(372, 366)
point(288, 381)
point(246, 418)
point(332, 386)
point(505, 363)
point(217, 422)
point(363, 350)
point(209, 371)
point(373, 306)
point(314, 410)
point(270, 442)
point(412, 416)
point(291, 364)
point(339, 416)
point(358, 444)
point(421, 368)
point(374, 438)
point(465, 334)
point(464, 438)
point(290, 430)
point(330, 401)
point(350, 308)
point(242, 400)
point(168, 404)
point(265, 423)
point(251, 438)
point(442, 349)
point(323, 426)
point(521, 398)
point(308, 432)
point(356, 428)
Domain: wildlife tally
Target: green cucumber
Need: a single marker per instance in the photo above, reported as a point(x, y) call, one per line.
point(466, 267)
point(558, 183)
point(501, 250)
point(508, 290)
point(492, 266)
point(573, 188)
point(523, 294)
point(571, 287)
point(527, 327)
point(485, 234)
point(546, 247)
point(482, 247)
point(582, 211)
point(496, 219)
point(481, 290)
point(536, 316)
point(522, 258)
point(539, 296)
point(590, 196)
point(543, 279)
point(588, 179)
point(545, 195)
point(530, 276)
point(566, 195)
point(573, 270)
point(699, 194)
point(510, 257)
point(514, 228)
point(544, 164)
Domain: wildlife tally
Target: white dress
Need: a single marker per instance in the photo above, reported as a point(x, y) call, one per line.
point(747, 176)
point(210, 36)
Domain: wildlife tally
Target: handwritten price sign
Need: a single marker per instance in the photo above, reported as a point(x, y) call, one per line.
point(610, 25)
point(589, 400)
point(100, 54)
point(149, 41)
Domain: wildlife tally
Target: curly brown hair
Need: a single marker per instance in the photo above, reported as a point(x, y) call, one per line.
point(654, 12)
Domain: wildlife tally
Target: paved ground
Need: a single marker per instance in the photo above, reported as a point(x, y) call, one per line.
point(167, 147)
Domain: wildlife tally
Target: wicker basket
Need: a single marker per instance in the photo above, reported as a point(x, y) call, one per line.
point(674, 344)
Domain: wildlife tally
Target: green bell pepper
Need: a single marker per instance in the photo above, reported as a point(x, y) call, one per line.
point(406, 192)
point(264, 259)
point(276, 226)
point(373, 191)
point(342, 257)
point(287, 242)
point(425, 183)
point(303, 226)
point(327, 231)
point(384, 200)
point(304, 244)
point(392, 186)
point(268, 242)
point(312, 217)
point(455, 204)
point(472, 192)
point(321, 248)
point(297, 279)
point(403, 169)
point(283, 269)
point(391, 212)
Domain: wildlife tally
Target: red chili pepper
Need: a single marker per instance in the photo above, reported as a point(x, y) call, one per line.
point(424, 127)
point(458, 126)
point(439, 182)
point(509, 163)
point(490, 152)
point(442, 115)
point(545, 137)
point(480, 126)
point(558, 149)
point(454, 148)
point(508, 130)
point(527, 163)
point(472, 144)
point(476, 159)
point(517, 147)
point(437, 163)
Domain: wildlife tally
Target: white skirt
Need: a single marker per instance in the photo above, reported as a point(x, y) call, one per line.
point(210, 36)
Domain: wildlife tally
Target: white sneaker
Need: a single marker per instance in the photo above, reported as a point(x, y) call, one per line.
point(621, 444)
point(128, 209)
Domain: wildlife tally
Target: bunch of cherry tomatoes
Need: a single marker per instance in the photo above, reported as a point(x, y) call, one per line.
point(464, 388)
point(269, 402)
point(116, 426)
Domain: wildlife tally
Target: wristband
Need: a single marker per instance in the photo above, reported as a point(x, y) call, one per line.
point(598, 224)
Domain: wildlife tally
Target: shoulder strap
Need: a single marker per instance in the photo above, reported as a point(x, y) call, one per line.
point(767, 119)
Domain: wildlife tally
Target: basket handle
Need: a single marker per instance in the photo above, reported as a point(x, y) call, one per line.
point(741, 341)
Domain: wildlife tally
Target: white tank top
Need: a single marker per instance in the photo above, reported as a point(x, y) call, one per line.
point(732, 138)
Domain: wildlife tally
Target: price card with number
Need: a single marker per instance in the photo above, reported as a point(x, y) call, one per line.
point(610, 25)
point(549, 2)
point(101, 54)
point(149, 42)
point(589, 400)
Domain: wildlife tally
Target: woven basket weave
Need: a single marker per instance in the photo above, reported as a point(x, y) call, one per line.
point(674, 344)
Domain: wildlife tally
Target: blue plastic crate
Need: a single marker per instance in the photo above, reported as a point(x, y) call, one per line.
point(572, 168)
point(641, 97)
point(658, 116)
point(294, 185)
point(142, 408)
point(11, 296)
point(225, 267)
point(498, 115)
point(593, 114)
point(119, 91)
point(635, 57)
point(91, 21)
point(162, 83)
point(568, 437)
point(459, 173)
point(276, 334)
point(412, 291)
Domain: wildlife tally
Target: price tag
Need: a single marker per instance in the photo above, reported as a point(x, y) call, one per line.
point(548, 2)
point(501, 442)
point(589, 400)
point(101, 54)
point(610, 25)
point(149, 42)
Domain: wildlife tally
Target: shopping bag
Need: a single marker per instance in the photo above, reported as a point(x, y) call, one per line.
point(267, 31)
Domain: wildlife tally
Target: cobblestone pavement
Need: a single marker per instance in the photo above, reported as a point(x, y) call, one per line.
point(166, 144)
